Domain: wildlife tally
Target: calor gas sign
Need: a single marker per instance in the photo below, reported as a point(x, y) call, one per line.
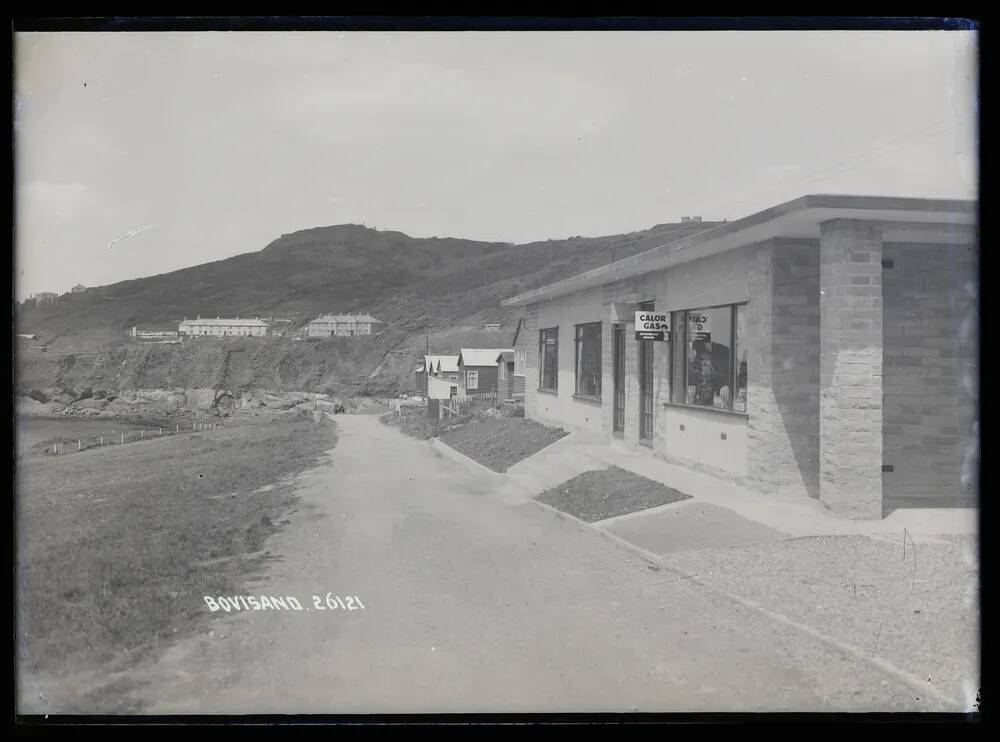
point(652, 326)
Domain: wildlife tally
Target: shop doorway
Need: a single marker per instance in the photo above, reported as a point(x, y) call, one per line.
point(618, 362)
point(646, 383)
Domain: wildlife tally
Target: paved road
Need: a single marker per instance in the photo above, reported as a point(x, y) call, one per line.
point(476, 604)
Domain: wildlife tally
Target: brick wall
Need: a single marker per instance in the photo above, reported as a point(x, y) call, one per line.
point(931, 349)
point(783, 340)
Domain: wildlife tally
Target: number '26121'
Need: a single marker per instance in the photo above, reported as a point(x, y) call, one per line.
point(333, 602)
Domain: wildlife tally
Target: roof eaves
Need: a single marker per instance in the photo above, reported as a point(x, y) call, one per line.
point(809, 201)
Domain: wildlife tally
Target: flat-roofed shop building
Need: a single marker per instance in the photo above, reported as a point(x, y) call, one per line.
point(343, 325)
point(826, 347)
point(224, 327)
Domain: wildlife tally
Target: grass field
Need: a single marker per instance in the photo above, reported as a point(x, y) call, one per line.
point(117, 546)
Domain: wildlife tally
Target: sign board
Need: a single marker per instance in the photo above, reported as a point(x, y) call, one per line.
point(699, 327)
point(652, 326)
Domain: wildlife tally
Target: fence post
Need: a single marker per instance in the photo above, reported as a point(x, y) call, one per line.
point(79, 445)
point(161, 432)
point(123, 439)
point(142, 433)
point(102, 440)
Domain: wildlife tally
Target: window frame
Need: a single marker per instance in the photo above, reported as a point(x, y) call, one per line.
point(679, 323)
point(469, 374)
point(542, 336)
point(578, 340)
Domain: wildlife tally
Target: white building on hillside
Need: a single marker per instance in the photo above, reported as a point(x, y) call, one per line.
point(223, 327)
point(158, 332)
point(343, 325)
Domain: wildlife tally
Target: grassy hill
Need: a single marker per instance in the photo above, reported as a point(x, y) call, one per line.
point(452, 285)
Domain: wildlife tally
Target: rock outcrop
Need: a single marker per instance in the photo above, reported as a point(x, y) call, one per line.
point(165, 403)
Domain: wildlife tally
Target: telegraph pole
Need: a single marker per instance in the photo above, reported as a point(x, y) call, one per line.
point(427, 336)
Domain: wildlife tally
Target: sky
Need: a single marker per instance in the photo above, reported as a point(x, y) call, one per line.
point(216, 143)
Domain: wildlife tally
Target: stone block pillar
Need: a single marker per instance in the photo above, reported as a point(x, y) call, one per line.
point(532, 361)
point(607, 372)
point(631, 384)
point(850, 419)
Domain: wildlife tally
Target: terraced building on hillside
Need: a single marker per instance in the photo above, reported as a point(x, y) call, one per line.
point(343, 325)
point(224, 327)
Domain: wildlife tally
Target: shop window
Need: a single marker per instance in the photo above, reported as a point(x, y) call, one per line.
point(709, 357)
point(740, 344)
point(548, 359)
point(588, 359)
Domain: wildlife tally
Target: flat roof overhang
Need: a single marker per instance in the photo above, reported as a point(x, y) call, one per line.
point(901, 220)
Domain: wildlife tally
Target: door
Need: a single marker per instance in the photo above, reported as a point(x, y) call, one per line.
point(646, 390)
point(618, 361)
point(646, 383)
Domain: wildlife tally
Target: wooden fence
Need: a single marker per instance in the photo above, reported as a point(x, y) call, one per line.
point(120, 438)
point(463, 405)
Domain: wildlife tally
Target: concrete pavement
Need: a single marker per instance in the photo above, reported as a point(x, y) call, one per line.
point(478, 602)
point(799, 517)
point(795, 562)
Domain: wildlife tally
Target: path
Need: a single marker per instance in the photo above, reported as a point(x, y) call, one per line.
point(475, 602)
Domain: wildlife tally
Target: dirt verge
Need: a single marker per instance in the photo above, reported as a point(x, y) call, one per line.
point(499, 442)
point(113, 543)
point(596, 495)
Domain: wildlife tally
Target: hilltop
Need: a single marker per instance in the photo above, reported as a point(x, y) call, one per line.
point(441, 289)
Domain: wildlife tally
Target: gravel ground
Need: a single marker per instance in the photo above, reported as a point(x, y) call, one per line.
point(596, 495)
point(500, 442)
point(476, 605)
point(924, 619)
